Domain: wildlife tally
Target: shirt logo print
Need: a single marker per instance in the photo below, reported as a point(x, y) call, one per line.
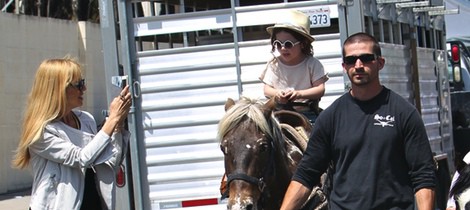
point(384, 121)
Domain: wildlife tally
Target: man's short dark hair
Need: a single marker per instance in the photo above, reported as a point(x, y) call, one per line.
point(363, 37)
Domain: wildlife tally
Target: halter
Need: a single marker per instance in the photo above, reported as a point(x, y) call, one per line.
point(254, 180)
point(257, 181)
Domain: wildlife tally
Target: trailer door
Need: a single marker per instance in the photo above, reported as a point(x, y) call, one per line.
point(183, 62)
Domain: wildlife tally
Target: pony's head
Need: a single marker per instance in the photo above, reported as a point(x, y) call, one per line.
point(252, 143)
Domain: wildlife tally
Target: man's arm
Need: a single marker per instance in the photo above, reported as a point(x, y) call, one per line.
point(425, 199)
point(295, 196)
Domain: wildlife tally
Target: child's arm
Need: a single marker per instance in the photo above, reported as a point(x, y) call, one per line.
point(311, 93)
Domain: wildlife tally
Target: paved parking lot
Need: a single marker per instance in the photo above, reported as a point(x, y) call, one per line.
point(15, 201)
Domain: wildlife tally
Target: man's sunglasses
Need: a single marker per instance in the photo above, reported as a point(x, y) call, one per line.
point(80, 85)
point(365, 58)
point(288, 44)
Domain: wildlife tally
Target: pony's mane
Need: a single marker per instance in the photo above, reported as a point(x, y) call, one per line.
point(248, 108)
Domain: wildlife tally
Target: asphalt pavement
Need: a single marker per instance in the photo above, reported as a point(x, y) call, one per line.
point(16, 200)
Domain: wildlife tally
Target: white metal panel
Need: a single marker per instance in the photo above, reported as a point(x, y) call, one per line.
point(182, 93)
point(183, 22)
point(267, 17)
point(216, 19)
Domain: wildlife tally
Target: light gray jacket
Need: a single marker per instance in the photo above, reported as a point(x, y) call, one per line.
point(60, 158)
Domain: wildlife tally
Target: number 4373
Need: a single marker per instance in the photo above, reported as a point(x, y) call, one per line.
point(319, 17)
point(319, 20)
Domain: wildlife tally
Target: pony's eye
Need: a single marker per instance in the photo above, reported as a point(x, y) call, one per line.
point(263, 147)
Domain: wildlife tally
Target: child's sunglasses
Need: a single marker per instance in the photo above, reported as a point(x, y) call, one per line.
point(288, 44)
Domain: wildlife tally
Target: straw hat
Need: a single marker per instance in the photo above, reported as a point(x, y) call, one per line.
point(297, 21)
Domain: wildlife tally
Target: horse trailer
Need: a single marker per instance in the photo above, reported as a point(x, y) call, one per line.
point(183, 59)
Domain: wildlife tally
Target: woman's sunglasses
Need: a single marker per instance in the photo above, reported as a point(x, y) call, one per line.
point(80, 85)
point(365, 58)
point(288, 44)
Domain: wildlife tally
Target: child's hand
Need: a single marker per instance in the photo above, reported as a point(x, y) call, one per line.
point(282, 97)
point(294, 95)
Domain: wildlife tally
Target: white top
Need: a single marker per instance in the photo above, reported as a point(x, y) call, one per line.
point(60, 158)
point(298, 77)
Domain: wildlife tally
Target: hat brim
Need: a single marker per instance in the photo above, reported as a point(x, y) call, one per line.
point(301, 32)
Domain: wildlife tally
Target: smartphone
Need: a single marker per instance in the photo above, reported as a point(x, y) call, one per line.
point(119, 81)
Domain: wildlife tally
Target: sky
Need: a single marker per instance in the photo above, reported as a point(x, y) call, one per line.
point(458, 24)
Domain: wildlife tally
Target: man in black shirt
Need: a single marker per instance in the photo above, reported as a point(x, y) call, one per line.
point(375, 139)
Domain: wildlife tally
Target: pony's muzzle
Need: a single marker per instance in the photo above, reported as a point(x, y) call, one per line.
point(239, 204)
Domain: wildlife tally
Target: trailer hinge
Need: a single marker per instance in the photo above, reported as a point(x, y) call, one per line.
point(345, 3)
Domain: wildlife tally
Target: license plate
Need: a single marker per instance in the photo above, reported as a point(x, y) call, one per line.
point(319, 16)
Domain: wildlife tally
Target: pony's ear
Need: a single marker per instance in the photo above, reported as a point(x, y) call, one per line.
point(229, 103)
point(269, 107)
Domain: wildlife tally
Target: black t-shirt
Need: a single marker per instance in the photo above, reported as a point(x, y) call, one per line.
point(379, 149)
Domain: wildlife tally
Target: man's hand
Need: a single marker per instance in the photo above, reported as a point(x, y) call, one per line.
point(295, 197)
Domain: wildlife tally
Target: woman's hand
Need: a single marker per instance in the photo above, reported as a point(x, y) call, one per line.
point(121, 105)
point(118, 111)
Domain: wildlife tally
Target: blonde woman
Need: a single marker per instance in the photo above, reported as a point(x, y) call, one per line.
point(72, 163)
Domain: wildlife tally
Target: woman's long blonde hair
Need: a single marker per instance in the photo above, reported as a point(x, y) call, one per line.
point(47, 102)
